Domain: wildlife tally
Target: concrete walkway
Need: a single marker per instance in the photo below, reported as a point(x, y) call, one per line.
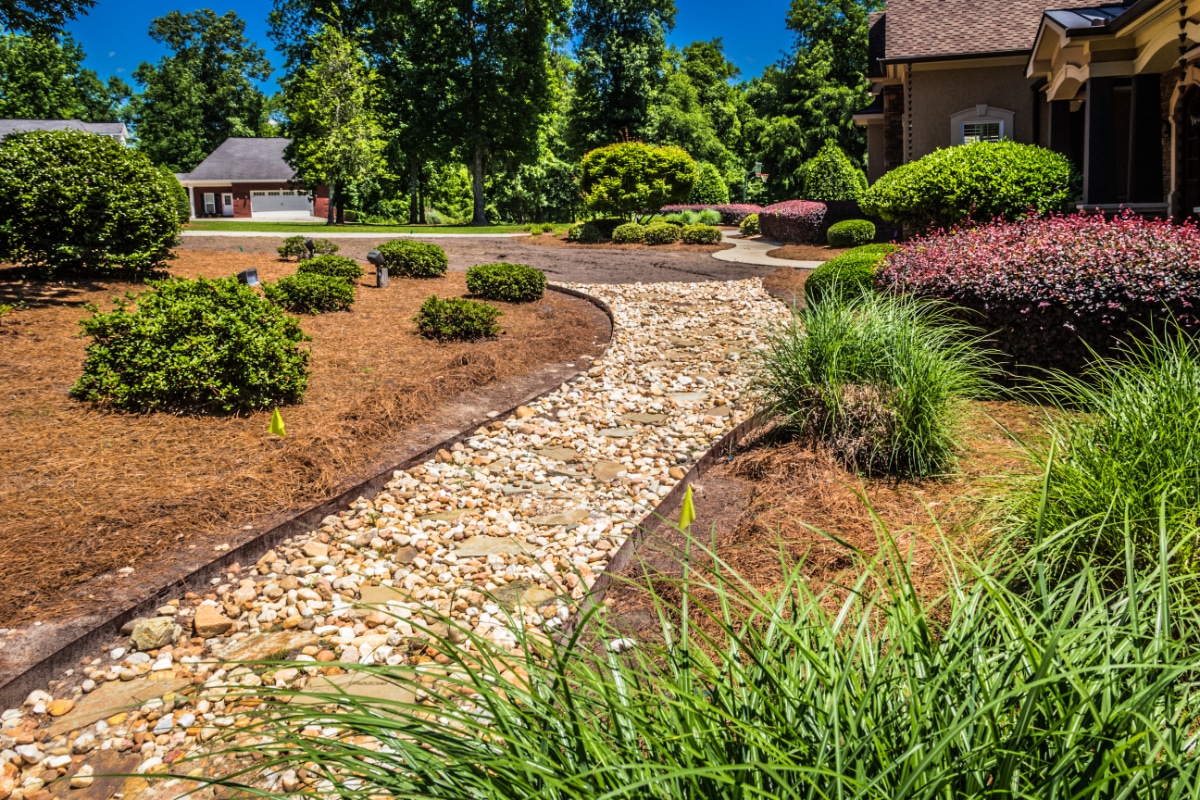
point(754, 251)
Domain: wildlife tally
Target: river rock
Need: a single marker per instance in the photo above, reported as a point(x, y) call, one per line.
point(151, 634)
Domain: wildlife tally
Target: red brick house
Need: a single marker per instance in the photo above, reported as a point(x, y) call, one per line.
point(248, 179)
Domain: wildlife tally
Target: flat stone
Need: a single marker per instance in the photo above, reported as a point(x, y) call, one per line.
point(679, 341)
point(509, 491)
point(687, 397)
point(564, 518)
point(449, 516)
point(489, 545)
point(151, 634)
point(111, 698)
point(378, 595)
point(618, 433)
point(606, 470)
point(680, 356)
point(717, 411)
point(646, 419)
point(210, 622)
point(565, 454)
point(267, 646)
point(523, 593)
point(359, 685)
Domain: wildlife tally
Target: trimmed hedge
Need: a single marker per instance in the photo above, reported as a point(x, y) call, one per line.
point(456, 319)
point(750, 226)
point(628, 178)
point(411, 259)
point(831, 175)
point(701, 234)
point(661, 233)
point(512, 283)
point(1051, 288)
point(850, 233)
point(793, 222)
point(979, 182)
point(594, 231)
point(311, 293)
point(193, 346)
point(731, 213)
point(848, 275)
point(629, 233)
point(293, 247)
point(333, 266)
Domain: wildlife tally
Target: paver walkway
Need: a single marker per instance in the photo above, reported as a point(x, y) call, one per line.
point(520, 518)
point(754, 251)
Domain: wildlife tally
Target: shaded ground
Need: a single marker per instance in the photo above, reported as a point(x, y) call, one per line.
point(807, 252)
point(563, 262)
point(87, 493)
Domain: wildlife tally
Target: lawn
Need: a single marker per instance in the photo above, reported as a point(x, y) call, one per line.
point(321, 229)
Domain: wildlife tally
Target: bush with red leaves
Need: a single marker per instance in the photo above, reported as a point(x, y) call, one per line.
point(794, 222)
point(1050, 288)
point(731, 213)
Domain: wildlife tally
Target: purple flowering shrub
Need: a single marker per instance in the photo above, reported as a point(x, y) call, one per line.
point(1050, 288)
point(793, 222)
point(731, 213)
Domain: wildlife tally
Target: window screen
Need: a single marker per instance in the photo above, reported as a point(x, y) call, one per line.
point(981, 132)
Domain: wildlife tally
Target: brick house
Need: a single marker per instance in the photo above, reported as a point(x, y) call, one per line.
point(248, 179)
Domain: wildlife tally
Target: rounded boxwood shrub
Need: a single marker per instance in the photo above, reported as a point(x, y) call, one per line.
point(629, 233)
point(456, 319)
point(293, 247)
point(793, 221)
point(980, 182)
point(749, 226)
point(414, 259)
point(333, 266)
point(850, 233)
point(74, 201)
point(848, 275)
point(630, 178)
point(512, 283)
point(830, 175)
point(311, 293)
point(199, 345)
point(594, 231)
point(701, 234)
point(661, 233)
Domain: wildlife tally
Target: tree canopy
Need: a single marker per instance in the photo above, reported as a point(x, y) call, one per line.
point(41, 16)
point(42, 77)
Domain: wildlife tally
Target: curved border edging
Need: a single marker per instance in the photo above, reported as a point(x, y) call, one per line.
point(14, 691)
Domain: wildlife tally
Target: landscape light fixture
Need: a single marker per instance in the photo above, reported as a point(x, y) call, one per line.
point(310, 247)
point(248, 277)
point(381, 276)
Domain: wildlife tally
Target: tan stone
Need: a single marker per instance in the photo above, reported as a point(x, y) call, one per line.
point(267, 646)
point(210, 622)
point(525, 412)
point(564, 454)
point(315, 550)
point(677, 473)
point(564, 518)
point(60, 707)
point(606, 470)
point(110, 701)
point(376, 595)
point(359, 685)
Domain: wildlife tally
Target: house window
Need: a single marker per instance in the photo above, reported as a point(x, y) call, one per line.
point(982, 132)
point(210, 203)
point(981, 123)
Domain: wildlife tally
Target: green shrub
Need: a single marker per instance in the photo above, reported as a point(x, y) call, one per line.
point(830, 175)
point(456, 319)
point(512, 283)
point(850, 233)
point(629, 233)
point(311, 293)
point(847, 275)
point(710, 188)
point(976, 182)
point(749, 226)
point(293, 247)
point(701, 234)
point(74, 201)
point(631, 178)
point(661, 233)
point(333, 266)
point(183, 204)
point(594, 231)
point(709, 216)
point(878, 379)
point(548, 227)
point(204, 345)
point(414, 259)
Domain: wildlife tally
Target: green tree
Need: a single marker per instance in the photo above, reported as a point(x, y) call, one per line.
point(201, 94)
point(42, 77)
point(631, 179)
point(621, 49)
point(830, 175)
point(336, 137)
point(41, 16)
point(710, 188)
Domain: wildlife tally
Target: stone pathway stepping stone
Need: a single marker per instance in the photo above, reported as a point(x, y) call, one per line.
point(562, 518)
point(448, 516)
point(648, 419)
point(719, 411)
point(687, 397)
point(564, 454)
point(477, 546)
point(360, 685)
point(618, 433)
point(262, 646)
point(606, 470)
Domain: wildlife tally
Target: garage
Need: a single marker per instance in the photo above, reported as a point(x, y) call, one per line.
point(280, 203)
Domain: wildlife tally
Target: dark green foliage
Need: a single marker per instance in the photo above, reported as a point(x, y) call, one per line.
point(183, 206)
point(850, 233)
point(847, 275)
point(311, 293)
point(594, 231)
point(333, 266)
point(414, 259)
point(830, 175)
point(633, 178)
point(749, 226)
point(701, 234)
point(511, 283)
point(293, 247)
point(661, 233)
point(41, 16)
point(629, 233)
point(457, 319)
point(976, 182)
point(74, 201)
point(710, 188)
point(199, 345)
point(44, 78)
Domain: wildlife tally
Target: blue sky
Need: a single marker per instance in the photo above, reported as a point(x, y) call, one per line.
point(114, 35)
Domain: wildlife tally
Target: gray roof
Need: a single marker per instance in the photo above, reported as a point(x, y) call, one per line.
point(244, 160)
point(1086, 18)
point(8, 126)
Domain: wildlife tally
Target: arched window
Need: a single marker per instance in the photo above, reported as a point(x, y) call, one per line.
point(981, 123)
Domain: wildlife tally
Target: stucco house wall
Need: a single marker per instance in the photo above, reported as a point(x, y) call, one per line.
point(942, 89)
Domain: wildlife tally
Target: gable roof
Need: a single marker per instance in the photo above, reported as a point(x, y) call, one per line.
point(240, 159)
point(114, 129)
point(931, 29)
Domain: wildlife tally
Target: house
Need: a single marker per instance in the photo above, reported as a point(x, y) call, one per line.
point(116, 130)
point(248, 178)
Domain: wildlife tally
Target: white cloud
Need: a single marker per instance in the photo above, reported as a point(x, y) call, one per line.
point(112, 53)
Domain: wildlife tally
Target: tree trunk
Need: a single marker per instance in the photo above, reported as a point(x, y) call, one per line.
point(341, 209)
point(479, 218)
point(414, 192)
point(329, 212)
point(421, 200)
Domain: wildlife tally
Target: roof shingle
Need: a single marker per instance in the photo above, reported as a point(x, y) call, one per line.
point(244, 160)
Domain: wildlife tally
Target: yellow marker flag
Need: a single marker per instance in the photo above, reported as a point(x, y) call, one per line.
point(688, 513)
point(277, 423)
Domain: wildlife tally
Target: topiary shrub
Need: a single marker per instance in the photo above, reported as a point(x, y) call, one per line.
point(293, 247)
point(661, 233)
point(75, 201)
point(631, 178)
point(830, 175)
point(701, 234)
point(850, 233)
point(1050, 289)
point(749, 226)
point(629, 233)
point(793, 222)
point(512, 283)
point(594, 231)
point(199, 345)
point(981, 181)
point(456, 319)
point(847, 275)
point(333, 266)
point(311, 293)
point(414, 259)
point(710, 188)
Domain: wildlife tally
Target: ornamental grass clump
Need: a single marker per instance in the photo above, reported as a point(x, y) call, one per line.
point(730, 213)
point(331, 266)
point(414, 259)
point(510, 283)
point(878, 380)
point(457, 319)
point(310, 293)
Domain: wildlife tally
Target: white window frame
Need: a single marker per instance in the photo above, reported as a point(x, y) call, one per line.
point(980, 114)
point(210, 203)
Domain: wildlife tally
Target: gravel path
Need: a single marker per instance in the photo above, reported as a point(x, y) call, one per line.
point(525, 514)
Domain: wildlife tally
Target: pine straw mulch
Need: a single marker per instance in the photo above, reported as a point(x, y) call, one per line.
point(549, 240)
point(807, 252)
point(88, 492)
point(772, 505)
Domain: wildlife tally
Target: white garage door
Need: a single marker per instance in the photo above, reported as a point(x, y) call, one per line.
point(280, 203)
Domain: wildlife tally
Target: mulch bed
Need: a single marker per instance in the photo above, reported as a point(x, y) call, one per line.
point(88, 492)
point(807, 252)
point(546, 240)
